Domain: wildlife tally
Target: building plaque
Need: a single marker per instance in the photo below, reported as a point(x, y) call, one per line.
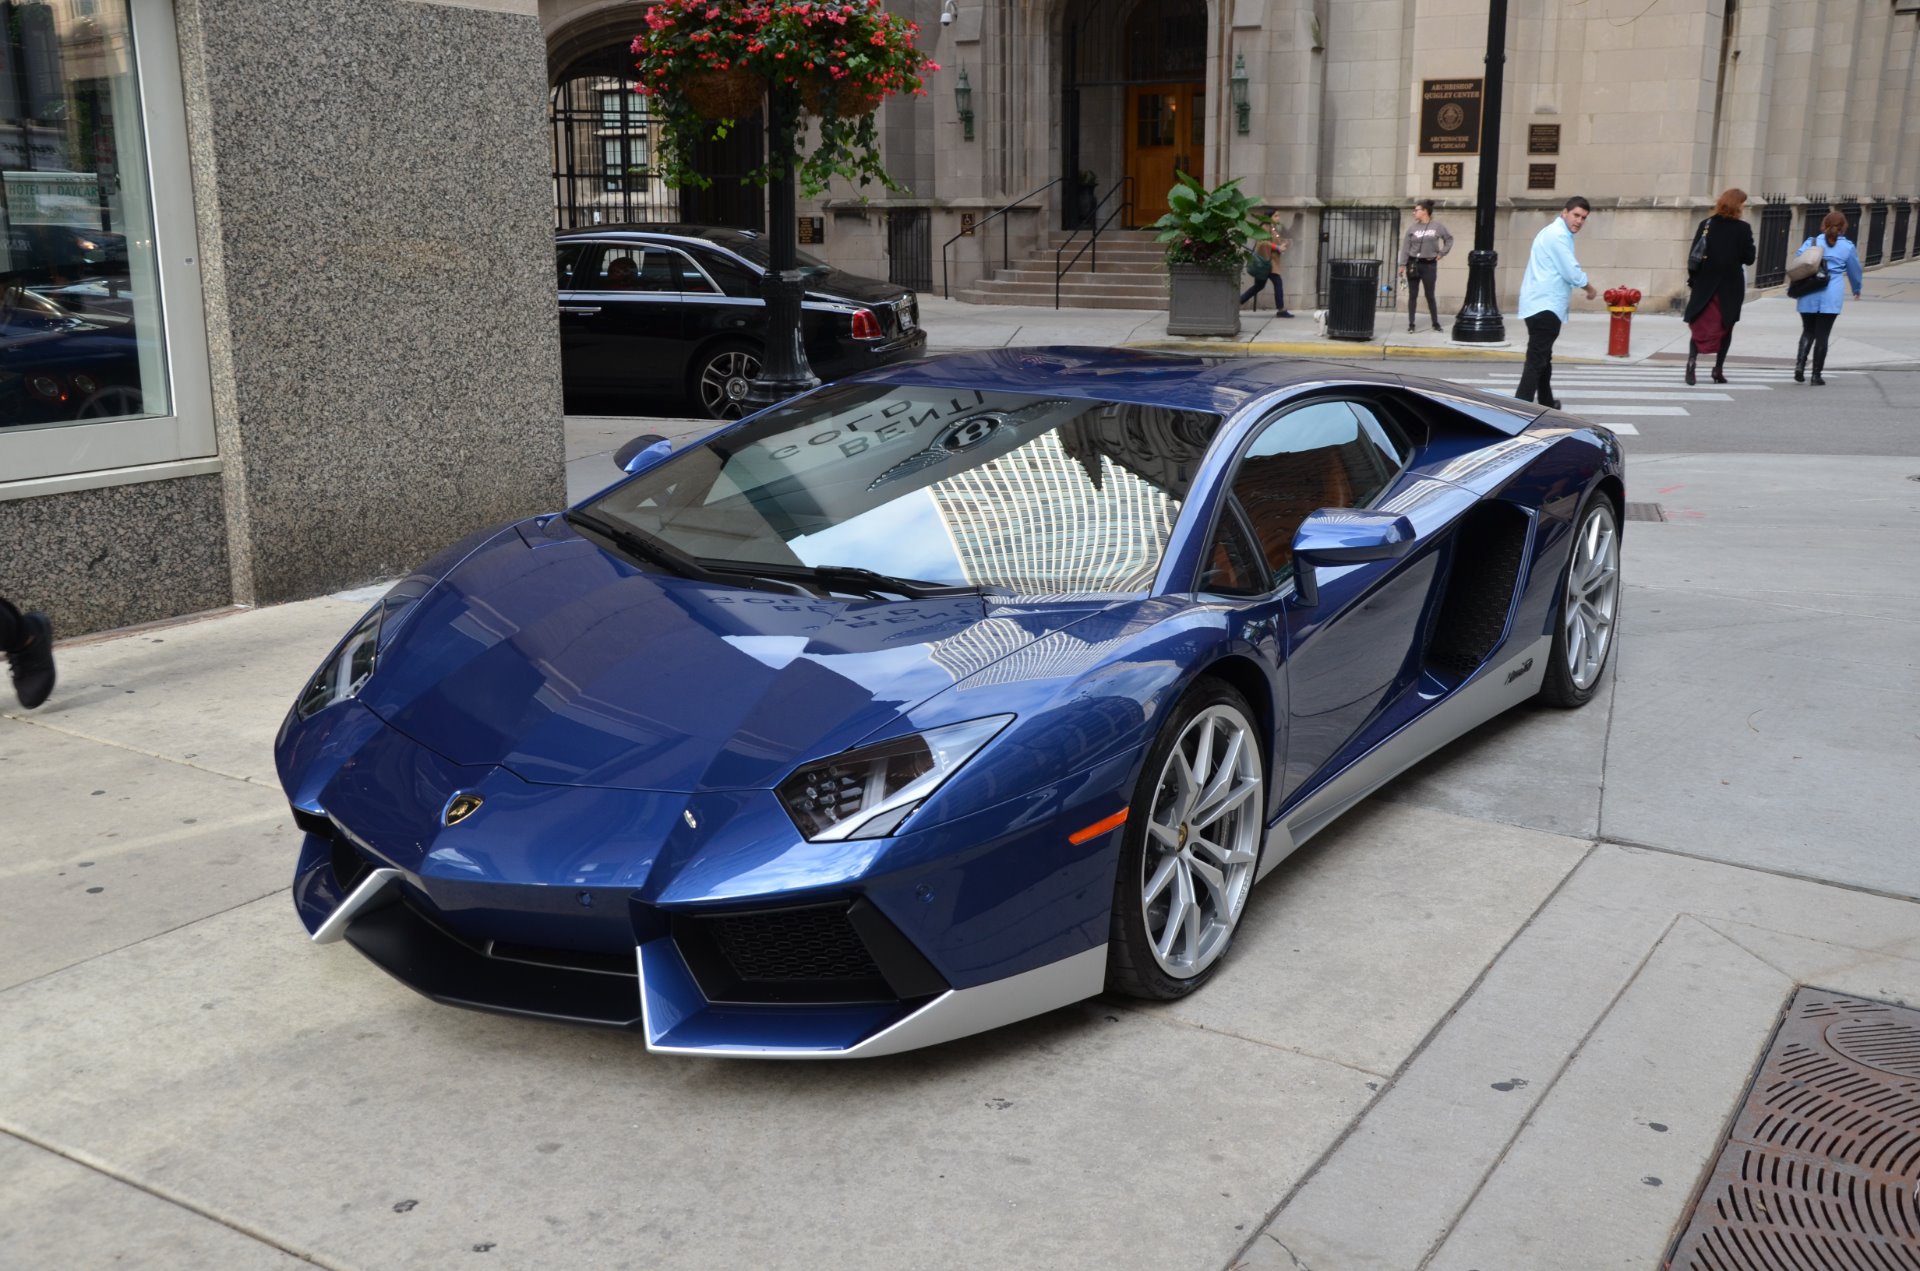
point(813, 229)
point(1540, 176)
point(1450, 116)
point(1446, 176)
point(966, 224)
point(1543, 138)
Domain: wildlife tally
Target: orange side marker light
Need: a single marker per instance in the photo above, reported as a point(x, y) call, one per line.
point(1098, 828)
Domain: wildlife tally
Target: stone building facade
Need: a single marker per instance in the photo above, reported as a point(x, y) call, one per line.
point(1648, 108)
point(309, 247)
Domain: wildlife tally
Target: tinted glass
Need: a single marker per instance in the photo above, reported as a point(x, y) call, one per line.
point(1033, 495)
point(1331, 454)
point(757, 251)
point(80, 313)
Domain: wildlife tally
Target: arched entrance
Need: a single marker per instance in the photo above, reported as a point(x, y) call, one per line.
point(1134, 95)
point(602, 146)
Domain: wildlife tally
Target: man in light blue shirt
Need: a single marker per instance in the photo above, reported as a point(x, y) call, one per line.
point(1551, 273)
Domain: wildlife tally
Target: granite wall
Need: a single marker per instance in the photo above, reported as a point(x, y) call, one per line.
point(371, 180)
point(116, 556)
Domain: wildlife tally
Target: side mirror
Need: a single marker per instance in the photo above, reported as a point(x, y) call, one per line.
point(1345, 536)
point(643, 451)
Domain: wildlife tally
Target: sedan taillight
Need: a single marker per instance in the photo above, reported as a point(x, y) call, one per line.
point(865, 325)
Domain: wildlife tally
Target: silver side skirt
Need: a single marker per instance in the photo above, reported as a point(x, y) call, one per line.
point(1494, 691)
point(955, 1013)
point(371, 892)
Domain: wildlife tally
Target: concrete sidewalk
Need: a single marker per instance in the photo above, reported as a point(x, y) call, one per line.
point(1880, 330)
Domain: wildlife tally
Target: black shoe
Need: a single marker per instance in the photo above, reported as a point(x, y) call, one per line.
point(1551, 403)
point(1818, 382)
point(1438, 327)
point(1690, 368)
point(1800, 359)
point(1284, 313)
point(33, 665)
point(1409, 328)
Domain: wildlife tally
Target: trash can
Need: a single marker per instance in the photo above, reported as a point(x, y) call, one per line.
point(1353, 287)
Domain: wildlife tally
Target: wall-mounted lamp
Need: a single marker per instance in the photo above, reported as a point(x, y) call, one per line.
point(1238, 83)
point(963, 102)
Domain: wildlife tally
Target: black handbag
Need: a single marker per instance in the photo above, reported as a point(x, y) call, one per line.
point(1698, 256)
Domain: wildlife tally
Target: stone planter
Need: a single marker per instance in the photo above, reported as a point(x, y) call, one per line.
point(1203, 300)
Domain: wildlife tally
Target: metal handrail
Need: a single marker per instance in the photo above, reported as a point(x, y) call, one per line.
point(1006, 256)
point(1093, 240)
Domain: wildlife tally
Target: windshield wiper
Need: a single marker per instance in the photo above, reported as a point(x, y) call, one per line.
point(850, 578)
point(646, 546)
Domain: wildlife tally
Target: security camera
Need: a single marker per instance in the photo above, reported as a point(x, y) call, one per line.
point(948, 9)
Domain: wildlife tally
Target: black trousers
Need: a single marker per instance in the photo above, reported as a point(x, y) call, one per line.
point(1536, 376)
point(1817, 327)
point(13, 631)
point(1422, 271)
point(1279, 291)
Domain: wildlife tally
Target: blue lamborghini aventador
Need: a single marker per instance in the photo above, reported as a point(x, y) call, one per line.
point(940, 696)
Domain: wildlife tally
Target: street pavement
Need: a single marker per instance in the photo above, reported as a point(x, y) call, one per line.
point(1496, 1018)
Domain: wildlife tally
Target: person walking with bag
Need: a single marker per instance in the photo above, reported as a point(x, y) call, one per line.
point(1820, 300)
point(1427, 242)
point(1263, 263)
point(1716, 274)
point(1552, 271)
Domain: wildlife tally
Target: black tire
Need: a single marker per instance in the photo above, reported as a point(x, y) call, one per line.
point(1598, 524)
point(716, 382)
point(1135, 966)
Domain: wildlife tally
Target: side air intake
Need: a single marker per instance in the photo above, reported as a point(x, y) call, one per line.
point(1488, 548)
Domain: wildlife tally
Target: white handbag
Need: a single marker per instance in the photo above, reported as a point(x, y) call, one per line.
point(1807, 263)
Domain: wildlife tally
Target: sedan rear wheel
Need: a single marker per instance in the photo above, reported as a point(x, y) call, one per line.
point(721, 379)
point(1191, 848)
point(1589, 605)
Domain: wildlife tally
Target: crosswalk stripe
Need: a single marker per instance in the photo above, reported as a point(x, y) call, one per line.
point(1623, 430)
point(1687, 395)
point(1573, 381)
point(1607, 408)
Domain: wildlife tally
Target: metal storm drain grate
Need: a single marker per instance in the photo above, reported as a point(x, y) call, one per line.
point(1821, 1168)
point(1645, 512)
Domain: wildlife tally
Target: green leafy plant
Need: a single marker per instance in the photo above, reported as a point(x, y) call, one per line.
point(842, 59)
point(1208, 227)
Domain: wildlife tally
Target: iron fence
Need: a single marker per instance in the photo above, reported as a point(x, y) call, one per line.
point(1902, 222)
point(1816, 211)
point(1776, 227)
point(1360, 233)
point(602, 154)
point(910, 247)
point(1877, 233)
point(1849, 205)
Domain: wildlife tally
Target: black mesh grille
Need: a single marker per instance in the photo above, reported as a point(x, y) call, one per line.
point(817, 943)
point(1486, 565)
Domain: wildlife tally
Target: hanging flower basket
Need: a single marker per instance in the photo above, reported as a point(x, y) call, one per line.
point(819, 98)
point(735, 93)
point(708, 63)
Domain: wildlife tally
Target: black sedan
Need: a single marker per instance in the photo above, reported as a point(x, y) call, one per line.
point(668, 311)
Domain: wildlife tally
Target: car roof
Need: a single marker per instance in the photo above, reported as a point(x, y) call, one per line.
point(724, 236)
point(1181, 381)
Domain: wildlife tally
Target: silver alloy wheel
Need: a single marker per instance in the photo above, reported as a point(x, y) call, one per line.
point(724, 383)
point(1202, 841)
point(1593, 593)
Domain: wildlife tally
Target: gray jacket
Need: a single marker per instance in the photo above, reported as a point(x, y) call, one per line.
point(1426, 242)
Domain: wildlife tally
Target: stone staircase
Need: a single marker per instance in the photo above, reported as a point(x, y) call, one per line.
point(1132, 275)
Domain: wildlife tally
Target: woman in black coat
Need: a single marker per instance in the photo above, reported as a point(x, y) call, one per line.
point(1719, 283)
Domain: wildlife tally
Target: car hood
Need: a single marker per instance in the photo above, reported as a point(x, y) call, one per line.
point(565, 664)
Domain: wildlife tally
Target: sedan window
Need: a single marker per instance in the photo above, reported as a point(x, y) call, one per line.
point(1326, 454)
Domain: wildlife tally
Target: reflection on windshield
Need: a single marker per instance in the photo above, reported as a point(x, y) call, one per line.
point(1006, 491)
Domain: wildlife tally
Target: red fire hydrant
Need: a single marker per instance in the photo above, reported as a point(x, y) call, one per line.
point(1620, 303)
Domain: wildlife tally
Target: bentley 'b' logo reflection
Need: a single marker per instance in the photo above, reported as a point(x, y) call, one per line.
point(460, 807)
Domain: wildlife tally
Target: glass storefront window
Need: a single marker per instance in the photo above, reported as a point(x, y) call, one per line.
point(80, 330)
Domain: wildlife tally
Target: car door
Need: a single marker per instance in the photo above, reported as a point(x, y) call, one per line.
point(1348, 654)
point(621, 327)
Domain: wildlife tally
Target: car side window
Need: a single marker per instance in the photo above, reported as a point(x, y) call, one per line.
point(686, 275)
point(1325, 454)
point(733, 279)
point(566, 256)
point(1231, 567)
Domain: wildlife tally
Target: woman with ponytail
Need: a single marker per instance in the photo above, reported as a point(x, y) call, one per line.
point(1819, 309)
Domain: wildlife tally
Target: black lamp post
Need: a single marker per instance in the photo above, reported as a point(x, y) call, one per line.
point(784, 371)
point(1479, 321)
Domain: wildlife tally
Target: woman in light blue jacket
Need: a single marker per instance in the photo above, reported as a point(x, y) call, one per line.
point(1818, 310)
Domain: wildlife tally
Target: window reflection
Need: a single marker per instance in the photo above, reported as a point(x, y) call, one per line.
point(1034, 495)
point(79, 293)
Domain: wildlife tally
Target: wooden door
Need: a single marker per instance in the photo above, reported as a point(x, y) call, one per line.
point(1166, 133)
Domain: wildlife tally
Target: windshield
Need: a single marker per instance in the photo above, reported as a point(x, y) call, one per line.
point(1006, 491)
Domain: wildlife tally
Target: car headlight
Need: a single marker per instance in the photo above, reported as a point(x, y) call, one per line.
point(346, 672)
point(867, 792)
